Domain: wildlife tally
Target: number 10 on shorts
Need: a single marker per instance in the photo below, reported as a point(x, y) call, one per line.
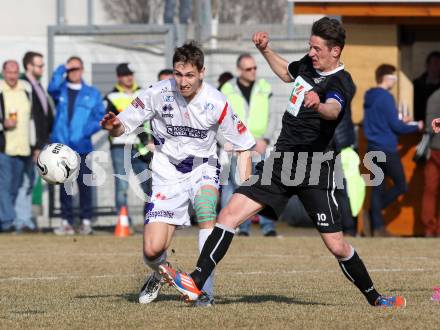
point(321, 217)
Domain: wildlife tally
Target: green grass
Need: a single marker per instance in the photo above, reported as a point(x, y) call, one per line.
point(290, 282)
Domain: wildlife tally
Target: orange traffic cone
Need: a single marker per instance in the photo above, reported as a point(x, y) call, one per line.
point(122, 229)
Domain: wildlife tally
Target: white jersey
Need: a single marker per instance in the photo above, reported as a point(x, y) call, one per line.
point(185, 133)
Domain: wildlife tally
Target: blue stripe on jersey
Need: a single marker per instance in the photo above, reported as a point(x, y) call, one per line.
point(336, 96)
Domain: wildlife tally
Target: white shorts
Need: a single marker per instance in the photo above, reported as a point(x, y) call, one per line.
point(169, 203)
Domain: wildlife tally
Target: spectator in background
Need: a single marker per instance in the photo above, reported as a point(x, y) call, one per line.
point(426, 84)
point(223, 78)
point(15, 103)
point(430, 219)
point(42, 106)
point(435, 126)
point(79, 108)
point(124, 92)
point(165, 74)
point(344, 143)
point(250, 99)
point(382, 128)
point(42, 117)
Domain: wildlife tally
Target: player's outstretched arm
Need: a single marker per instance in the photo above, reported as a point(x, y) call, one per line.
point(276, 62)
point(112, 124)
point(436, 125)
point(244, 159)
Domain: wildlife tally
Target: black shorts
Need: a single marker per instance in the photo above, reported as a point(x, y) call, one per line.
point(319, 200)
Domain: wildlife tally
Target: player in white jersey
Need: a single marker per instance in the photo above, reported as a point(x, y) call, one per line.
point(186, 114)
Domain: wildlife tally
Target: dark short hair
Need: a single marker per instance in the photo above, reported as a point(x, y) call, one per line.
point(224, 78)
point(164, 71)
point(189, 53)
point(71, 58)
point(331, 30)
point(432, 55)
point(241, 57)
point(28, 58)
point(382, 70)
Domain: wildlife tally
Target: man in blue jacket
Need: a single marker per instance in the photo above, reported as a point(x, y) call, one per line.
point(382, 127)
point(79, 108)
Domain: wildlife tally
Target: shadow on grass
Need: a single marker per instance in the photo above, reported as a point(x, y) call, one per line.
point(400, 290)
point(220, 300)
point(130, 297)
point(258, 299)
point(28, 312)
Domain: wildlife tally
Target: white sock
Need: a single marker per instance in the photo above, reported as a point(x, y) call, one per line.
point(154, 264)
point(209, 284)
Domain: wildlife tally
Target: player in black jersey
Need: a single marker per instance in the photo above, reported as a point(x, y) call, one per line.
point(302, 164)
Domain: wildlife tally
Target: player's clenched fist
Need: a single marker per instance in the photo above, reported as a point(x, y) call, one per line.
point(436, 125)
point(261, 40)
point(111, 123)
point(311, 100)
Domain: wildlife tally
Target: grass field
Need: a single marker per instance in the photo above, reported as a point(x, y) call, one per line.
point(92, 282)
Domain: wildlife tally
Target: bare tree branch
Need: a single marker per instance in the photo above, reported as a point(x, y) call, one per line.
point(251, 11)
point(132, 11)
point(229, 11)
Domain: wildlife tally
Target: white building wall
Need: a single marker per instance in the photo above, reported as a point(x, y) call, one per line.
point(30, 18)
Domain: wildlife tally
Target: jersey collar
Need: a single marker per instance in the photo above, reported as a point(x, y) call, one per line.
point(339, 68)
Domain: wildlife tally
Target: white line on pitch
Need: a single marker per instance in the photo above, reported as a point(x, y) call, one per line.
point(285, 272)
point(67, 277)
point(192, 255)
point(288, 272)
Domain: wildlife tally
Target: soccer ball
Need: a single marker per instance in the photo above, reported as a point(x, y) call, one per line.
point(57, 163)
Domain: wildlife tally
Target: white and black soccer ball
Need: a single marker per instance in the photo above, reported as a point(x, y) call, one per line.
point(57, 163)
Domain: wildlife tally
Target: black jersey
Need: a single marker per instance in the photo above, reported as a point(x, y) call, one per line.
point(303, 128)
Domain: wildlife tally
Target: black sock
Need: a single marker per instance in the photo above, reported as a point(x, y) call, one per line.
point(216, 247)
point(354, 269)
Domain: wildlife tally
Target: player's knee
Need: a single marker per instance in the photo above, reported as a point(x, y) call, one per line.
point(151, 252)
point(227, 217)
point(339, 249)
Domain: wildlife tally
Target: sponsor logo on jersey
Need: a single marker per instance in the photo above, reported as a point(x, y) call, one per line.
point(208, 107)
point(137, 103)
point(241, 128)
point(297, 89)
point(207, 178)
point(318, 80)
point(159, 213)
point(160, 196)
point(187, 131)
point(168, 98)
point(167, 108)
